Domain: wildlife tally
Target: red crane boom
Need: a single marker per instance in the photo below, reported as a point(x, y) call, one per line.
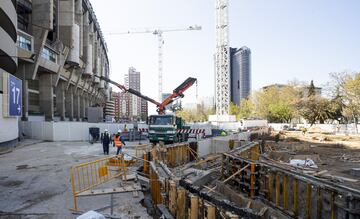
point(177, 93)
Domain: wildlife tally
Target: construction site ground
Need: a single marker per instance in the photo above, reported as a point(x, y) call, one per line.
point(35, 182)
point(337, 158)
point(35, 178)
point(335, 155)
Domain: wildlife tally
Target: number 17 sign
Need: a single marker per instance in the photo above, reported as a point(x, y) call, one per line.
point(14, 91)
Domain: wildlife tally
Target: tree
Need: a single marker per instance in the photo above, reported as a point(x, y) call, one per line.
point(311, 89)
point(234, 109)
point(336, 108)
point(187, 114)
point(244, 110)
point(201, 113)
point(352, 95)
point(308, 111)
point(280, 112)
point(347, 87)
point(315, 108)
point(276, 104)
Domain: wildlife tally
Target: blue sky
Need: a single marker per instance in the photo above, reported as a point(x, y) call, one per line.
point(302, 39)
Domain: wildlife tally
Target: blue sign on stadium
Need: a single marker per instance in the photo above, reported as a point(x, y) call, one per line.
point(15, 95)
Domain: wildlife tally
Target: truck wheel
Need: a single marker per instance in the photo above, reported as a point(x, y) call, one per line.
point(153, 142)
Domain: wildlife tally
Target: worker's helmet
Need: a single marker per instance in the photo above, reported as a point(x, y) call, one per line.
point(119, 131)
point(105, 130)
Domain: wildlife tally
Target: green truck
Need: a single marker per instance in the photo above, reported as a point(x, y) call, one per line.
point(167, 128)
point(163, 127)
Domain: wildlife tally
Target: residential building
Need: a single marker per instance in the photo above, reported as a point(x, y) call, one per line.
point(240, 74)
point(277, 86)
point(124, 107)
point(109, 111)
point(144, 110)
point(115, 96)
point(303, 89)
point(132, 80)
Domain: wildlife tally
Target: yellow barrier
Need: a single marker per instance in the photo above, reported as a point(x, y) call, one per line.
point(86, 176)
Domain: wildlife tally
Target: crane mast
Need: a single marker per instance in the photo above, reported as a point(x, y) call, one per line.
point(222, 56)
point(160, 63)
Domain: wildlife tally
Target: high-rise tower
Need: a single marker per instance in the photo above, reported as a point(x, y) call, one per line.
point(240, 76)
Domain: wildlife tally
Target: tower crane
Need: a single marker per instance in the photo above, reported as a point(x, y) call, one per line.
point(159, 33)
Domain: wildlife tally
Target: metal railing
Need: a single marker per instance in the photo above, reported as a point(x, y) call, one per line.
point(88, 175)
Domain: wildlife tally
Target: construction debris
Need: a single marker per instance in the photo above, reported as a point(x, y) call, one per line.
point(91, 215)
point(308, 163)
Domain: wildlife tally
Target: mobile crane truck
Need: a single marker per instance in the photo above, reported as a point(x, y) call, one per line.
point(163, 127)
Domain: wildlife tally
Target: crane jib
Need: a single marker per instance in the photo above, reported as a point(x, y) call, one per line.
point(187, 83)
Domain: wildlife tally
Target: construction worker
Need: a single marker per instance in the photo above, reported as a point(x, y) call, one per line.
point(303, 130)
point(105, 141)
point(126, 128)
point(118, 142)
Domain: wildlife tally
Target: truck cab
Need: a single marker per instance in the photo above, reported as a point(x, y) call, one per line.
point(164, 128)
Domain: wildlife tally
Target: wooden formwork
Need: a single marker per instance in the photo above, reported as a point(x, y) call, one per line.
point(183, 202)
point(242, 173)
point(181, 153)
point(305, 196)
point(281, 188)
point(156, 186)
point(295, 194)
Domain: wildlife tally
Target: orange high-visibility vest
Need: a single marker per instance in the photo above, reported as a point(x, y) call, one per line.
point(117, 141)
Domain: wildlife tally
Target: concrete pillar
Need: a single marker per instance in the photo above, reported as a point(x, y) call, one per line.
point(86, 105)
point(82, 107)
point(60, 99)
point(25, 100)
point(79, 21)
point(77, 105)
point(66, 21)
point(46, 92)
point(42, 17)
point(69, 100)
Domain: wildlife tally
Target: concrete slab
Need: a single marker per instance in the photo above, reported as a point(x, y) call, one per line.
point(34, 180)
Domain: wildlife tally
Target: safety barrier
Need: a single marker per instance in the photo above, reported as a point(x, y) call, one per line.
point(88, 175)
point(143, 130)
point(191, 131)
